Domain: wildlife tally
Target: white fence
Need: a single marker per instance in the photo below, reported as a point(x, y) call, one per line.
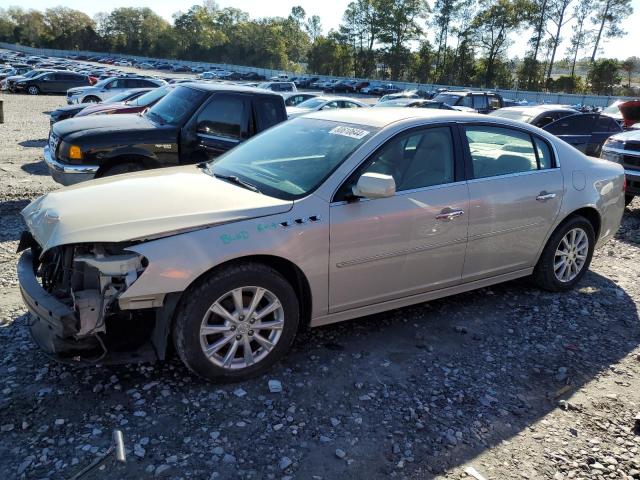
point(518, 95)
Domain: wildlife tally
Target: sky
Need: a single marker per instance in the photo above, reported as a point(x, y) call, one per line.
point(330, 11)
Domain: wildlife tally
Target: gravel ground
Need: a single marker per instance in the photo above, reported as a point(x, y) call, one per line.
point(508, 380)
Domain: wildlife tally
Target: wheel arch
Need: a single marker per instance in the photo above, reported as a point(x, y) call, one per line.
point(166, 315)
point(591, 214)
point(147, 162)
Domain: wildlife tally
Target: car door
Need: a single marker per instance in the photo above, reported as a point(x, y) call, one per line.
point(412, 242)
point(515, 192)
point(603, 128)
point(574, 129)
point(221, 124)
point(47, 83)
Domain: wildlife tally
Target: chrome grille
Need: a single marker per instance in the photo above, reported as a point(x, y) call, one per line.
point(54, 141)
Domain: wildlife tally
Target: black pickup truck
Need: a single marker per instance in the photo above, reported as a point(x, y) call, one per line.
point(196, 122)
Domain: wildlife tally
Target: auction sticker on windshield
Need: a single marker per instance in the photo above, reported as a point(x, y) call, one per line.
point(350, 132)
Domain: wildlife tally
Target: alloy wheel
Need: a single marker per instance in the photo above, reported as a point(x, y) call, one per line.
point(33, 90)
point(242, 327)
point(571, 255)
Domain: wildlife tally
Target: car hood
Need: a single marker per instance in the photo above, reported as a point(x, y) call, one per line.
point(76, 90)
point(296, 111)
point(104, 107)
point(632, 135)
point(142, 205)
point(102, 123)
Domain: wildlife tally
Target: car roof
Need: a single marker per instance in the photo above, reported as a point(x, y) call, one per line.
point(382, 117)
point(228, 87)
point(540, 108)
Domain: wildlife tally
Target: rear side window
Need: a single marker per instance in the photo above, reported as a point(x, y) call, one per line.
point(480, 102)
point(579, 124)
point(500, 151)
point(223, 116)
point(606, 124)
point(545, 160)
point(268, 112)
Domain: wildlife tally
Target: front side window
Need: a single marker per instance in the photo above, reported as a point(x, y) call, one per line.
point(416, 159)
point(293, 158)
point(500, 151)
point(223, 116)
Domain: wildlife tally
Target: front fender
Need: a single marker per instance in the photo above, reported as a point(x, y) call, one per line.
point(175, 262)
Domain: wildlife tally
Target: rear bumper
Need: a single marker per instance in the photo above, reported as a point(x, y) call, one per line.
point(66, 174)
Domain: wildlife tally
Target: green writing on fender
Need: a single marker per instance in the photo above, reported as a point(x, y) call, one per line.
point(263, 227)
point(227, 239)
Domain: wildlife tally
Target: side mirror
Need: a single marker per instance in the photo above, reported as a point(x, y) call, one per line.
point(375, 185)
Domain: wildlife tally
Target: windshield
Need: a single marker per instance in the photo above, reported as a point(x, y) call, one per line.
point(102, 83)
point(447, 98)
point(176, 106)
point(520, 115)
point(613, 108)
point(31, 73)
point(149, 97)
point(311, 103)
point(293, 158)
point(121, 97)
point(264, 85)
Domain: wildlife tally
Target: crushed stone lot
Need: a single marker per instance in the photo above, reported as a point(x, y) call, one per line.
point(509, 380)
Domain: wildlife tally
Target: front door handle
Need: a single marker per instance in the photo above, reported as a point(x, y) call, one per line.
point(447, 216)
point(544, 196)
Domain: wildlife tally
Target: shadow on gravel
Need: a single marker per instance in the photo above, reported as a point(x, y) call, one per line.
point(11, 223)
point(412, 392)
point(629, 231)
point(33, 143)
point(36, 168)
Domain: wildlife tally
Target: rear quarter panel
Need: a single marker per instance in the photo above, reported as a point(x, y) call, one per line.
point(591, 182)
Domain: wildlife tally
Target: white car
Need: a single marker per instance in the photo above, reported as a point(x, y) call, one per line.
point(109, 87)
point(323, 103)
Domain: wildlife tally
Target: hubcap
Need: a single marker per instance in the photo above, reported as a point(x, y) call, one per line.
point(571, 255)
point(241, 327)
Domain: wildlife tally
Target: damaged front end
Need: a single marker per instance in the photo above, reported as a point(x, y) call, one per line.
point(72, 293)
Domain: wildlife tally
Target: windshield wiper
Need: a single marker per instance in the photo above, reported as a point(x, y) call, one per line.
point(237, 181)
point(158, 118)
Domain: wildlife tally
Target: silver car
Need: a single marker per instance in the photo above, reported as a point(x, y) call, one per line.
point(109, 87)
point(320, 219)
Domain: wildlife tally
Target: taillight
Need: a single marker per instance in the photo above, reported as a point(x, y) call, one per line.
point(624, 184)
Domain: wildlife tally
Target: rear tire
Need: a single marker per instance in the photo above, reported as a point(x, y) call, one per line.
point(221, 355)
point(121, 168)
point(628, 199)
point(33, 90)
point(566, 256)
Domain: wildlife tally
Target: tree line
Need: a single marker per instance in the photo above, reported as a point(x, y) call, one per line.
point(383, 39)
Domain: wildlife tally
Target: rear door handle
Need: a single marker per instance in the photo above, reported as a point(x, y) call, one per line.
point(544, 196)
point(449, 215)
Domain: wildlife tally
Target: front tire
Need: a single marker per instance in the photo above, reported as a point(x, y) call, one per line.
point(121, 168)
point(91, 99)
point(33, 90)
point(236, 322)
point(566, 256)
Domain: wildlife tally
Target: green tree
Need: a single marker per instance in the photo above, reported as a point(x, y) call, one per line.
point(398, 21)
point(313, 27)
point(492, 26)
point(558, 18)
point(360, 28)
point(629, 66)
point(608, 18)
point(603, 76)
point(330, 56)
point(580, 35)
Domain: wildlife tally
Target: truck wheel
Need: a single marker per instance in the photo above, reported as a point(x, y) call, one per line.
point(236, 322)
point(120, 168)
point(90, 99)
point(628, 199)
point(33, 90)
point(566, 257)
